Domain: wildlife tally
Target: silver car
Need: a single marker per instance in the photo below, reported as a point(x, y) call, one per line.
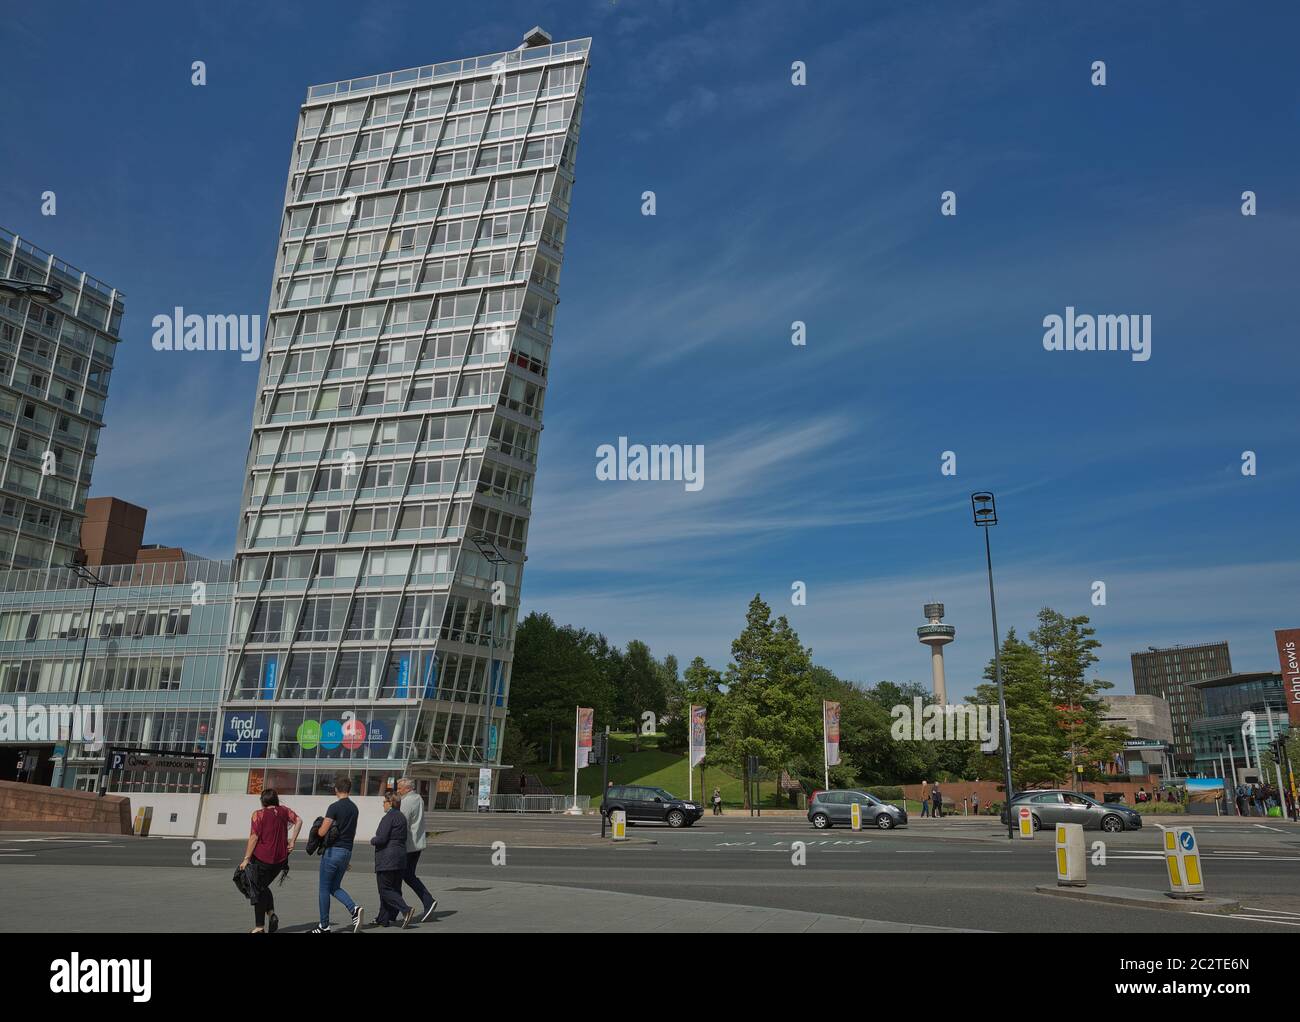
point(1049, 808)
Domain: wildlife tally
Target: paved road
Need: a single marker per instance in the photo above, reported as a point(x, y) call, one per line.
point(733, 873)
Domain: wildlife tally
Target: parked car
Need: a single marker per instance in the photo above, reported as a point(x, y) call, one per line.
point(1050, 807)
point(651, 805)
point(828, 808)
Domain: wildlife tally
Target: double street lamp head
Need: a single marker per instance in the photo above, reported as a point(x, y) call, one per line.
point(45, 294)
point(985, 509)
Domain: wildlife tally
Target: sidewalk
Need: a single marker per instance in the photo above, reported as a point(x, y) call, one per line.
point(129, 899)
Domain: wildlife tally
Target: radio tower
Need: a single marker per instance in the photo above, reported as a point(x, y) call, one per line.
point(936, 635)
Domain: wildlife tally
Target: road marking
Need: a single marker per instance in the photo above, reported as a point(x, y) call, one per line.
point(1273, 829)
point(1244, 919)
point(19, 855)
point(1272, 911)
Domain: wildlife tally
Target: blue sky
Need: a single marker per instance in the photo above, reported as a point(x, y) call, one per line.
point(775, 203)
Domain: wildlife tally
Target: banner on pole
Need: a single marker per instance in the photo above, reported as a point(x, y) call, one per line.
point(586, 723)
point(699, 715)
point(1288, 654)
point(831, 731)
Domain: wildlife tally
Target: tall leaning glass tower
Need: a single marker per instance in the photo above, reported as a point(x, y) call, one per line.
point(390, 471)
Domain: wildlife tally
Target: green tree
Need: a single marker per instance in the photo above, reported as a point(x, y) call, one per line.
point(771, 708)
point(556, 669)
point(1037, 742)
point(1067, 648)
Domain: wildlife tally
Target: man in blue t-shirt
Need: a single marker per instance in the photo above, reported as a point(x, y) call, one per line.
point(342, 817)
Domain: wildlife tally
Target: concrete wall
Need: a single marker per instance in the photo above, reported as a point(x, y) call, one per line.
point(990, 791)
point(239, 809)
point(186, 808)
point(37, 808)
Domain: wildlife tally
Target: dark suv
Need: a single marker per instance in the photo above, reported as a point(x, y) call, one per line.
point(650, 805)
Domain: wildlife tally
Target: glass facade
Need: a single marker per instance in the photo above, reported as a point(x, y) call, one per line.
point(389, 480)
point(155, 648)
point(55, 363)
point(1222, 732)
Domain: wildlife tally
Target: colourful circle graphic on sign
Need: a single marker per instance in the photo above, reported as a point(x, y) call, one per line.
point(354, 733)
point(309, 734)
point(331, 734)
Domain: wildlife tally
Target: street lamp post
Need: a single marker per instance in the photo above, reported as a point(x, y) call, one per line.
point(986, 516)
point(96, 583)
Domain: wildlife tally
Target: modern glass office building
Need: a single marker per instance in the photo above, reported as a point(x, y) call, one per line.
point(58, 331)
point(395, 434)
point(154, 647)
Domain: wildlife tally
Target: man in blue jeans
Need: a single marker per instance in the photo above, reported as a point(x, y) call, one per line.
point(342, 816)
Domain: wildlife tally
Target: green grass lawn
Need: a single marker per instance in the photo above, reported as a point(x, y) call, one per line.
point(652, 767)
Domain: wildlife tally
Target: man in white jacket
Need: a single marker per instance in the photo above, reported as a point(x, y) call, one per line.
point(416, 838)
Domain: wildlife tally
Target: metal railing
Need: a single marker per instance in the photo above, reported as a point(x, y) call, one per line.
point(533, 804)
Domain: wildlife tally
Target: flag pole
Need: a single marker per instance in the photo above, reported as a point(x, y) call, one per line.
point(826, 759)
point(576, 712)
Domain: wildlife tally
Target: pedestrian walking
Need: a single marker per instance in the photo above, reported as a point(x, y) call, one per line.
point(390, 864)
point(1241, 800)
point(925, 798)
point(975, 803)
point(717, 801)
point(937, 799)
point(412, 806)
point(266, 856)
point(338, 831)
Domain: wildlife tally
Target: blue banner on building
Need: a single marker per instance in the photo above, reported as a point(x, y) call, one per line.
point(268, 678)
point(430, 676)
point(244, 734)
point(403, 676)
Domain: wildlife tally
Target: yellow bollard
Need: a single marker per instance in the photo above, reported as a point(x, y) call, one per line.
point(618, 820)
point(855, 816)
point(1026, 823)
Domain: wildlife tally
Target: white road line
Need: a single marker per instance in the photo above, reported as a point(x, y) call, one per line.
point(19, 855)
point(1273, 911)
point(1244, 919)
point(1273, 829)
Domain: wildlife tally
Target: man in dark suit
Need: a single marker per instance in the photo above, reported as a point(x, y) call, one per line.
point(390, 863)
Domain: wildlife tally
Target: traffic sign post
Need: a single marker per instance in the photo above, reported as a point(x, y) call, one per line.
point(1026, 823)
point(1183, 859)
point(1071, 861)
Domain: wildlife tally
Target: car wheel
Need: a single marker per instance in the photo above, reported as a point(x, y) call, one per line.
point(821, 821)
point(884, 822)
point(1112, 824)
point(675, 818)
point(1038, 824)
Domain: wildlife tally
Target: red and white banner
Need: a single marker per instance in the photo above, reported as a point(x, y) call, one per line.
point(586, 722)
point(699, 715)
point(831, 731)
point(1288, 654)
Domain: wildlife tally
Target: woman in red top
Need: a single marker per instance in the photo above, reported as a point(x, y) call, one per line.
point(266, 855)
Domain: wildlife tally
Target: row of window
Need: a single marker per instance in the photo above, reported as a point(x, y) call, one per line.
point(118, 674)
point(30, 626)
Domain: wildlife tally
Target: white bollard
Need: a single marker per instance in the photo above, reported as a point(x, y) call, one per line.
point(1026, 823)
point(618, 824)
point(1183, 859)
point(1071, 859)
